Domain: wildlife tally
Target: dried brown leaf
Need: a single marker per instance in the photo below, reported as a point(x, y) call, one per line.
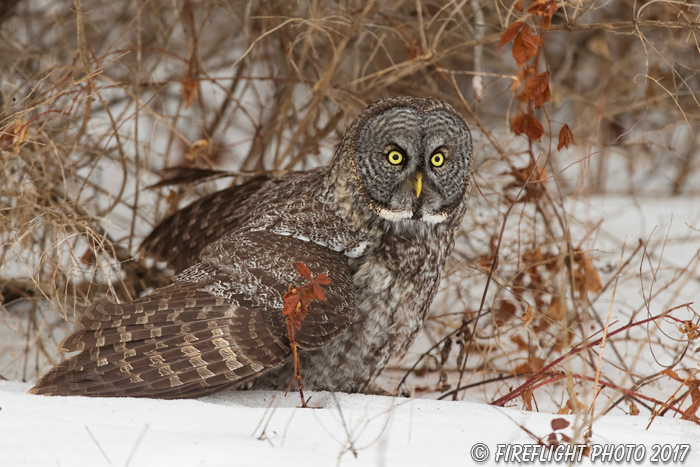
point(559, 424)
point(505, 311)
point(510, 33)
point(593, 283)
point(298, 299)
point(536, 85)
point(525, 46)
point(189, 90)
point(528, 125)
point(634, 410)
point(21, 132)
point(557, 309)
point(304, 271)
point(323, 279)
point(543, 9)
point(197, 149)
point(527, 398)
point(690, 329)
point(527, 316)
point(566, 137)
point(537, 89)
point(533, 364)
point(520, 342)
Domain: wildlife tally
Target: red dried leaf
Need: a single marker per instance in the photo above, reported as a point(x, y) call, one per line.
point(525, 46)
point(308, 293)
point(298, 299)
point(519, 123)
point(542, 98)
point(536, 9)
point(544, 10)
point(565, 137)
point(291, 301)
point(546, 22)
point(88, 257)
point(535, 130)
point(323, 279)
point(294, 307)
point(518, 5)
point(537, 85)
point(559, 424)
point(537, 89)
point(301, 314)
point(304, 271)
point(528, 125)
point(510, 33)
point(318, 292)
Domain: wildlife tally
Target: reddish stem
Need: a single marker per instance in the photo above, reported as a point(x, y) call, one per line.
point(575, 351)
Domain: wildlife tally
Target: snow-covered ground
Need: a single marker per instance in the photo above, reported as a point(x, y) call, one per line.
point(266, 428)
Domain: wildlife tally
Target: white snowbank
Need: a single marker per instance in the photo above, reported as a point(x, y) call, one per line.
point(225, 430)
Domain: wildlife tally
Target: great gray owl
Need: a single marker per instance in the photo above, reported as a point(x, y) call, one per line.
point(379, 221)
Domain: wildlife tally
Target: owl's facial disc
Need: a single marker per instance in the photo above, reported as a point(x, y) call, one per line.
point(414, 165)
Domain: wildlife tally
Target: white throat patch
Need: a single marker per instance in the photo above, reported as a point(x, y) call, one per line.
point(395, 215)
point(435, 218)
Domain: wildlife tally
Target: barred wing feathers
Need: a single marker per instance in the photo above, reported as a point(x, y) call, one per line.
point(215, 326)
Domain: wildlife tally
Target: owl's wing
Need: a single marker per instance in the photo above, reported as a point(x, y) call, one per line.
point(215, 326)
point(179, 238)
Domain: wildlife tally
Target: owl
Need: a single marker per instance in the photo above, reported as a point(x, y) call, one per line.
point(379, 221)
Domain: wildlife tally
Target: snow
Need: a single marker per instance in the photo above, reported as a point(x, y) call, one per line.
point(266, 428)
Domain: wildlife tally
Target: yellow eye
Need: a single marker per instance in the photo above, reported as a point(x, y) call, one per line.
point(437, 160)
point(395, 157)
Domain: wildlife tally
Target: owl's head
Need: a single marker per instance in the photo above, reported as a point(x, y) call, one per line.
point(411, 159)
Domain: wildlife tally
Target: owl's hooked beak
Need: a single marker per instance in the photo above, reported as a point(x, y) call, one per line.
point(418, 183)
